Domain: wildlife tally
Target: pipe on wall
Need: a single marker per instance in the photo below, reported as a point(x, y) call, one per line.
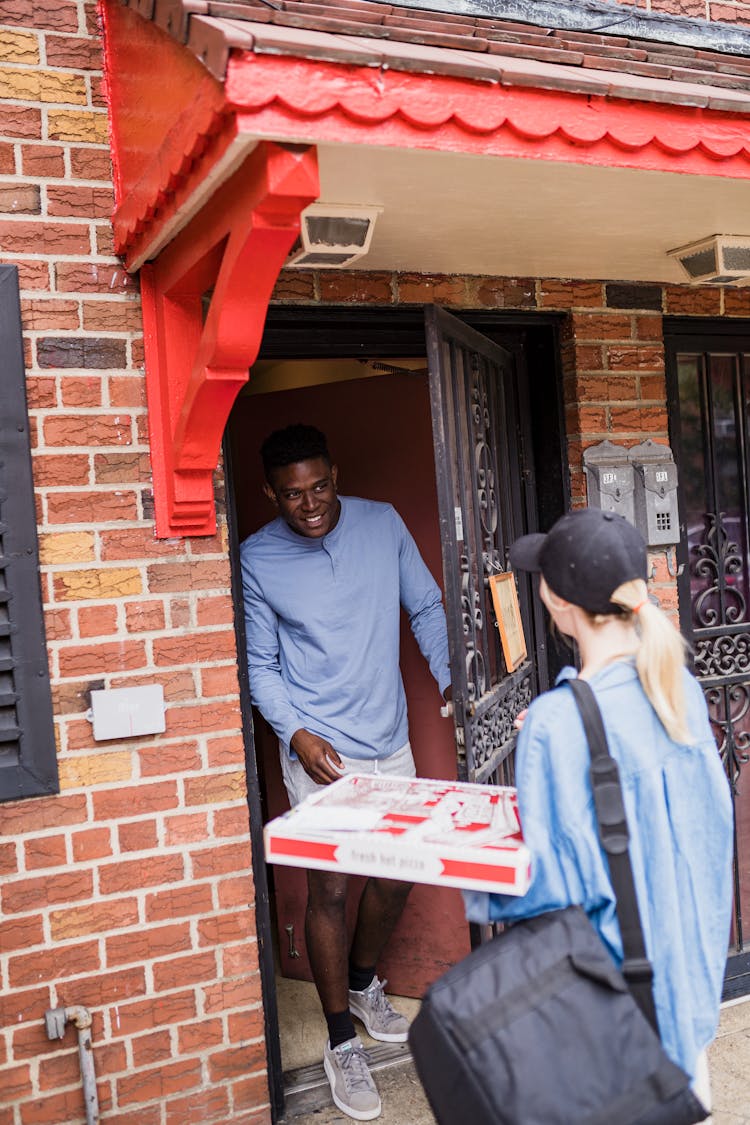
point(55, 1020)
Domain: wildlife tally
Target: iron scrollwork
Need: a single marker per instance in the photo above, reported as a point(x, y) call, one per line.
point(718, 560)
point(728, 707)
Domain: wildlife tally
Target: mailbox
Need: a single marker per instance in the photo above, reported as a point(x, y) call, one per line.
point(610, 479)
point(656, 514)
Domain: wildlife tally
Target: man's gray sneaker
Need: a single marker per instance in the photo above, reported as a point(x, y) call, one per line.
point(374, 1009)
point(352, 1087)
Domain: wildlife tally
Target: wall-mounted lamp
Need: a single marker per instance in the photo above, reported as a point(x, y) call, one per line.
point(333, 235)
point(722, 259)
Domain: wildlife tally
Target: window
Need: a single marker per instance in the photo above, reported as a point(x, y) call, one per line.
point(28, 762)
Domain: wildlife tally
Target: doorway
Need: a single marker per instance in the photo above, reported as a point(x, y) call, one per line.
point(362, 376)
point(709, 394)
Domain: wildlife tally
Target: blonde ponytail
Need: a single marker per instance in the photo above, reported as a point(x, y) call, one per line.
point(660, 658)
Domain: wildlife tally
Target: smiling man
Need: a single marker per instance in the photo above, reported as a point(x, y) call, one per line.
point(323, 586)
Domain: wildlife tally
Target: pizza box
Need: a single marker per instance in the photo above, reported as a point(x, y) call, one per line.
point(445, 833)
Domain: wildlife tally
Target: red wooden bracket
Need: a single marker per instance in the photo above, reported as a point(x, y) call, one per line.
point(233, 249)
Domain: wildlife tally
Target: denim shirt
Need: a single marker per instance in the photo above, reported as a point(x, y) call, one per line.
point(323, 627)
point(679, 813)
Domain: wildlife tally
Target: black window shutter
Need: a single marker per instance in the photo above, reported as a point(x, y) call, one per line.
point(28, 761)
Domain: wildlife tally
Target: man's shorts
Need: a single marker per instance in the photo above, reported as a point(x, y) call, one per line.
point(300, 785)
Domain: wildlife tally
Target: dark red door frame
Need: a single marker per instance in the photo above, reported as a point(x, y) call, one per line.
point(235, 247)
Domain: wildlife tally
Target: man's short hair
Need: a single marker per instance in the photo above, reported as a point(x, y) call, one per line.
point(292, 444)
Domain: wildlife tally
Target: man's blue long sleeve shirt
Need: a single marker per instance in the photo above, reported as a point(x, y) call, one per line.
point(322, 619)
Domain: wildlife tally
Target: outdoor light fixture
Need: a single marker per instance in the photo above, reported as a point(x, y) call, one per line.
point(722, 259)
point(333, 235)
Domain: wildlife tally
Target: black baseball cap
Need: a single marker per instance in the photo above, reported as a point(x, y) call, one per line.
point(584, 557)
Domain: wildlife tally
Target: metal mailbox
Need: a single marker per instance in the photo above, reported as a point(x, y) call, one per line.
point(655, 496)
point(610, 479)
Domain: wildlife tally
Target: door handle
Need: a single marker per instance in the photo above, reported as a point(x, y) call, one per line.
point(293, 951)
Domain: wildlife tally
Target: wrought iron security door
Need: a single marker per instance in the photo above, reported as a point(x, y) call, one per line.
point(710, 380)
point(486, 500)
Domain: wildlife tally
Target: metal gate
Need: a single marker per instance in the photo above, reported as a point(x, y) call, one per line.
point(486, 500)
point(710, 412)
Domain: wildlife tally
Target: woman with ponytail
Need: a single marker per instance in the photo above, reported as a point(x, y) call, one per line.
point(593, 572)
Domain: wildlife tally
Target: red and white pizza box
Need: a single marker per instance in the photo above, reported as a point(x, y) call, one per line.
point(445, 833)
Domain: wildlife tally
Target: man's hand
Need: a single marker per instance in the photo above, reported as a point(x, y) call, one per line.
point(319, 759)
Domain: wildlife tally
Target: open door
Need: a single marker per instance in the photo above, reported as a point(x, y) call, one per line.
point(480, 421)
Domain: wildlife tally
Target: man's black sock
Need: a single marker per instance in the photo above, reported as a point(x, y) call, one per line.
point(359, 978)
point(340, 1027)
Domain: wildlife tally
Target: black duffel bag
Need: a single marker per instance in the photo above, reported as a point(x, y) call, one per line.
point(538, 1026)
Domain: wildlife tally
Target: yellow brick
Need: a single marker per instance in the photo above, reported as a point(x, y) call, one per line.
point(18, 46)
point(95, 769)
point(42, 86)
point(117, 583)
point(67, 547)
point(77, 125)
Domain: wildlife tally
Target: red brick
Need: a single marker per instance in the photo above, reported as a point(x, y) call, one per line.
point(29, 894)
point(136, 543)
point(32, 274)
point(360, 287)
point(96, 918)
point(232, 822)
point(87, 429)
point(147, 943)
point(178, 685)
point(93, 277)
point(422, 289)
point(159, 1083)
point(215, 610)
point(604, 326)
point(79, 201)
point(131, 875)
point(226, 751)
point(70, 51)
point(93, 659)
point(221, 859)
point(41, 813)
point(91, 164)
point(219, 681)
point(635, 359)
point(42, 160)
point(607, 388)
point(147, 1115)
point(242, 960)
point(699, 301)
point(234, 892)
point(21, 933)
point(61, 469)
point(88, 352)
point(68, 961)
point(200, 1037)
point(81, 390)
point(144, 617)
point(7, 160)
point(91, 843)
point(653, 387)
point(159, 760)
point(97, 620)
point(235, 1062)
point(41, 393)
point(220, 788)
point(180, 902)
point(136, 800)
point(112, 316)
point(8, 859)
point(586, 419)
point(105, 243)
point(186, 828)
point(138, 836)
point(16, 1082)
point(555, 294)
point(127, 391)
point(65, 1106)
point(17, 235)
point(179, 972)
point(19, 120)
point(250, 1094)
point(736, 302)
point(180, 613)
point(294, 285)
point(200, 647)
point(20, 199)
point(649, 327)
point(652, 419)
point(59, 1070)
point(122, 467)
point(204, 1105)
point(91, 507)
point(222, 928)
point(45, 851)
point(50, 15)
point(503, 292)
point(204, 718)
point(154, 1047)
point(189, 575)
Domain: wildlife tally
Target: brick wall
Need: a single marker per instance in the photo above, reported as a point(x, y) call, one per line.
point(726, 11)
point(131, 892)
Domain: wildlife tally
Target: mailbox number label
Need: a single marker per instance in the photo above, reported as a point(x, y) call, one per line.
point(609, 478)
point(661, 475)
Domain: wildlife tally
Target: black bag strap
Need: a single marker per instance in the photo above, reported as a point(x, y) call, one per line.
point(614, 836)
